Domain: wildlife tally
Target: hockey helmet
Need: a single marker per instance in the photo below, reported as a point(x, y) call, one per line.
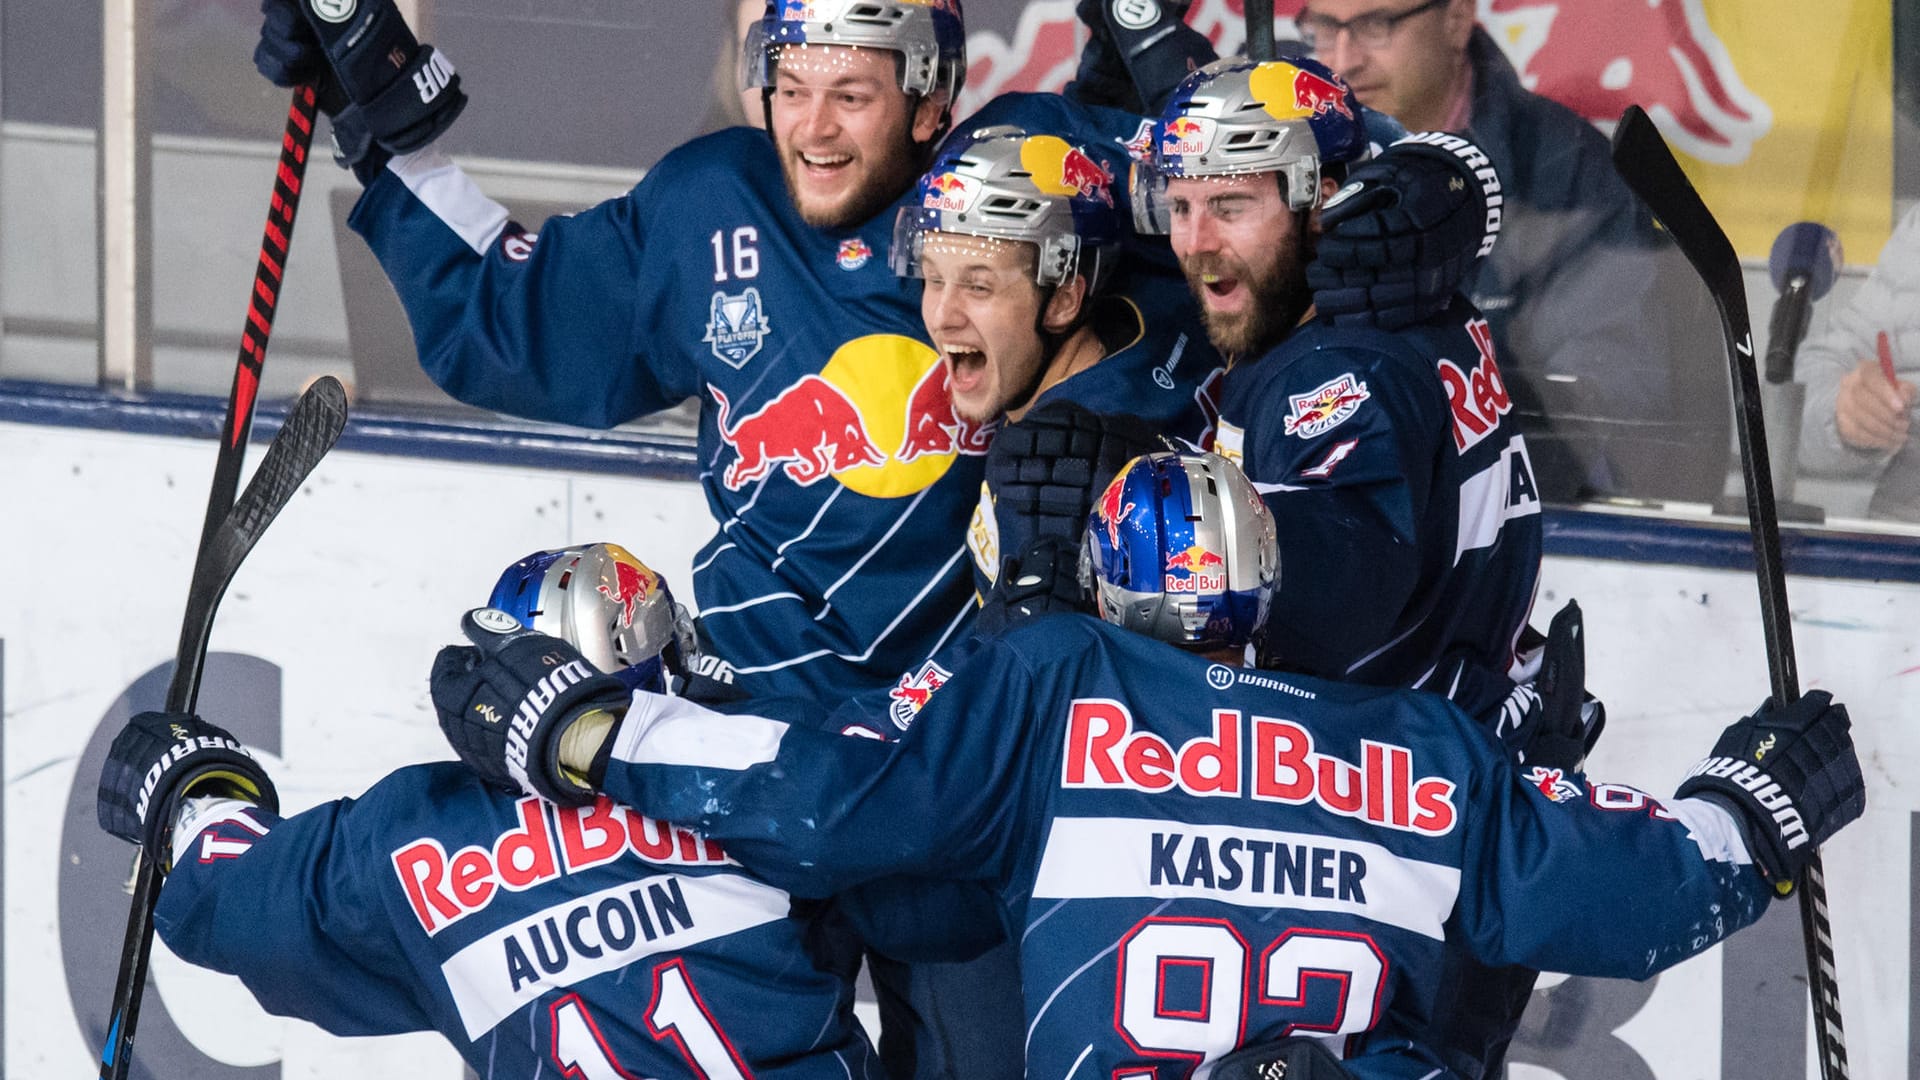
point(928, 35)
point(1001, 183)
point(1180, 547)
point(1234, 117)
point(607, 604)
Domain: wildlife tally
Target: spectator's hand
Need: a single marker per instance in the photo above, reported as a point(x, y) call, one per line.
point(1872, 413)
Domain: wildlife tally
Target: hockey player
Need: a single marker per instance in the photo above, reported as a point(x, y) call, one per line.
point(1388, 451)
point(832, 459)
point(1195, 856)
point(585, 939)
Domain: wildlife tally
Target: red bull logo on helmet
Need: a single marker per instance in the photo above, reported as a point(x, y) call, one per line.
point(950, 192)
point(1186, 136)
point(1325, 407)
point(1195, 570)
point(1110, 512)
point(1087, 177)
point(630, 588)
point(1319, 95)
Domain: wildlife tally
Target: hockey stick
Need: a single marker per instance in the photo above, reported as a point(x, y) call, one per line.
point(1260, 47)
point(1648, 167)
point(312, 427)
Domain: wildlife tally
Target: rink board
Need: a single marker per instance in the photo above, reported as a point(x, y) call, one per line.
point(324, 640)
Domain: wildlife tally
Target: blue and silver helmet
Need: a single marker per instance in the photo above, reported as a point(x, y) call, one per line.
point(1234, 117)
point(606, 603)
point(928, 35)
point(1180, 547)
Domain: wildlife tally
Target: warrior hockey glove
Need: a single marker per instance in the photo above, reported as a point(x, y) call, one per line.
point(1403, 233)
point(1043, 579)
point(1553, 722)
point(1292, 1058)
point(1043, 472)
point(1791, 778)
point(157, 760)
point(506, 704)
point(1137, 51)
point(386, 92)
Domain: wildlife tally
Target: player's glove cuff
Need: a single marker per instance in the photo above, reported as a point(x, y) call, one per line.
point(157, 760)
point(1791, 778)
point(1043, 579)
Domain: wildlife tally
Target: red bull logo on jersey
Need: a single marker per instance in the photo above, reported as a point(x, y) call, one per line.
point(1477, 398)
point(911, 695)
point(854, 253)
point(1259, 758)
point(1553, 783)
point(631, 586)
point(1319, 95)
point(1325, 407)
point(810, 430)
point(932, 427)
point(549, 841)
point(1186, 136)
point(1195, 570)
point(950, 192)
point(736, 326)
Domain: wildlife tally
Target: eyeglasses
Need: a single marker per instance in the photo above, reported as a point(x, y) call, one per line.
point(1371, 30)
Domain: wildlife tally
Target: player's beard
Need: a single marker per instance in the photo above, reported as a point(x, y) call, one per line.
point(1277, 293)
point(875, 185)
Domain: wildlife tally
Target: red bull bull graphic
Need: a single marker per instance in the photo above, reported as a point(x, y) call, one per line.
point(932, 427)
point(1195, 570)
point(1325, 407)
point(811, 430)
point(630, 588)
point(950, 192)
point(1085, 176)
point(910, 696)
point(1110, 511)
point(1553, 783)
point(1319, 96)
point(1186, 136)
point(1597, 58)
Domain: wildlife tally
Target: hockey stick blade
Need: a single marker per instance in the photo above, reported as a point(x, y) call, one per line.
point(313, 426)
point(1260, 43)
point(1648, 166)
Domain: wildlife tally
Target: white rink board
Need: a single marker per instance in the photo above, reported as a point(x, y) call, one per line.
point(364, 575)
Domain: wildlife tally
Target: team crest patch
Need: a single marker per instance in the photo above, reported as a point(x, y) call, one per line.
point(911, 695)
point(853, 254)
point(736, 326)
point(1553, 783)
point(1325, 407)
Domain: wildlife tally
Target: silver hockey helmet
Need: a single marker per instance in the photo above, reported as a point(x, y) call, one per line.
point(928, 34)
point(1180, 547)
point(1002, 183)
point(1234, 117)
point(606, 603)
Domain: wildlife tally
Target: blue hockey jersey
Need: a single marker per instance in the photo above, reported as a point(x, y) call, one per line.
point(1194, 856)
point(832, 462)
point(1408, 516)
point(590, 941)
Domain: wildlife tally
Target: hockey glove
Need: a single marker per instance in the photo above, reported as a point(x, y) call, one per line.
point(386, 92)
point(1553, 722)
point(157, 760)
point(1043, 579)
point(1790, 777)
point(1403, 233)
point(1140, 49)
point(507, 702)
point(1293, 1058)
point(1044, 471)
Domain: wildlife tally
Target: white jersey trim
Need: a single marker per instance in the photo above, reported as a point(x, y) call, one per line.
point(451, 196)
point(661, 730)
point(1713, 829)
point(1488, 500)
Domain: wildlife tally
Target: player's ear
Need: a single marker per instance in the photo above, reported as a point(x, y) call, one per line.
point(1064, 306)
point(1328, 185)
point(927, 114)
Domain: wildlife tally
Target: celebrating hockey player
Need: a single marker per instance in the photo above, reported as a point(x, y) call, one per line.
point(584, 939)
point(1196, 856)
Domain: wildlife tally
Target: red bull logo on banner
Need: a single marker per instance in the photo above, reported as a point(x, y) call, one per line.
point(950, 192)
point(1110, 511)
point(1325, 407)
point(1186, 136)
point(876, 393)
point(1477, 398)
point(1317, 95)
point(911, 695)
point(1196, 570)
point(630, 588)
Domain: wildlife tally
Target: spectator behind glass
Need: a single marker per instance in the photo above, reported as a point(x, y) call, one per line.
point(1859, 408)
point(1609, 343)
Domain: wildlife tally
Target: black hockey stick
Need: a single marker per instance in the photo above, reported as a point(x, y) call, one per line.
point(1260, 47)
point(1648, 167)
point(312, 427)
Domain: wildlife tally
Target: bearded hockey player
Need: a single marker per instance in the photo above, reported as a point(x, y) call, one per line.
point(586, 939)
point(1196, 857)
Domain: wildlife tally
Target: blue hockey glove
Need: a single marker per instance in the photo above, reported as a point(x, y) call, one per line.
point(1044, 471)
point(157, 760)
point(1790, 777)
point(1043, 579)
point(1292, 1058)
point(1553, 722)
point(386, 92)
point(506, 702)
point(1403, 233)
point(1137, 51)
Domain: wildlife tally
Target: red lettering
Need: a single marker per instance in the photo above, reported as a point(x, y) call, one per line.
point(689, 845)
point(1086, 745)
point(590, 835)
point(1375, 757)
point(1281, 772)
point(1434, 797)
point(1341, 789)
point(652, 839)
point(1400, 784)
point(1223, 750)
point(472, 878)
point(525, 856)
point(421, 867)
point(713, 852)
point(1149, 762)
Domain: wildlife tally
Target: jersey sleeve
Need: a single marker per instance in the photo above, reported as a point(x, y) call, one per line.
point(547, 325)
point(1340, 442)
point(814, 812)
point(289, 906)
point(1601, 879)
